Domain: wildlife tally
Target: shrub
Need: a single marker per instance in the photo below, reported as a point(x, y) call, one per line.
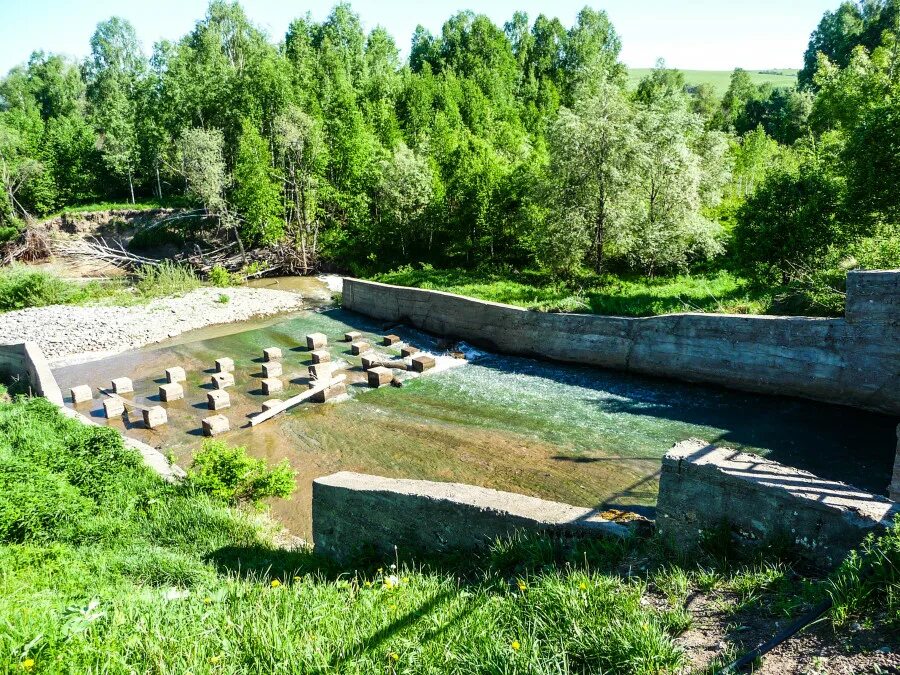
point(21, 288)
point(231, 475)
point(220, 277)
point(167, 278)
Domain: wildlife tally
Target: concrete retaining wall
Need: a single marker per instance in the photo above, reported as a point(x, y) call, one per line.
point(853, 361)
point(703, 486)
point(354, 512)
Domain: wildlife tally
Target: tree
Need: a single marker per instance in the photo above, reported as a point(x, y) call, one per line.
point(405, 191)
point(256, 196)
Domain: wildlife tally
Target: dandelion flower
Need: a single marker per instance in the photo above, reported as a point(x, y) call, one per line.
point(394, 656)
point(405, 580)
point(582, 586)
point(515, 645)
point(214, 659)
point(367, 584)
point(207, 601)
point(275, 583)
point(297, 580)
point(393, 566)
point(27, 665)
point(522, 585)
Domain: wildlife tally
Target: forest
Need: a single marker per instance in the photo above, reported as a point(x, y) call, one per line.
point(509, 150)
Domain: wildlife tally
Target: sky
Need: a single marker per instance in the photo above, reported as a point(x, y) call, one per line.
point(688, 34)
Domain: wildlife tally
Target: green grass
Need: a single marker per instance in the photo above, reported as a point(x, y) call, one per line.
point(622, 296)
point(143, 205)
point(720, 79)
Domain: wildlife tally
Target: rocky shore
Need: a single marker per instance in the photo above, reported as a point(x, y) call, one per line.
point(70, 332)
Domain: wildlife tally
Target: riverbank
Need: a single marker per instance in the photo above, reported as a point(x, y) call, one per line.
point(69, 333)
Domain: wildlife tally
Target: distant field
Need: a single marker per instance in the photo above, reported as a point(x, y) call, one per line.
point(719, 79)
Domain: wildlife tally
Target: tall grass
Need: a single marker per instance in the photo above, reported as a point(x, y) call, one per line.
point(22, 287)
point(167, 278)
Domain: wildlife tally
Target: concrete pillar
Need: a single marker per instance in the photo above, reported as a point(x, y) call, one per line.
point(321, 356)
point(218, 400)
point(171, 392)
point(316, 341)
point(273, 369)
point(271, 403)
point(352, 336)
point(81, 394)
point(215, 425)
point(409, 350)
point(222, 380)
point(122, 385)
point(321, 371)
point(329, 393)
point(271, 353)
point(175, 374)
point(272, 385)
point(894, 489)
point(379, 376)
point(224, 365)
point(155, 416)
point(358, 348)
point(389, 340)
point(113, 407)
point(422, 362)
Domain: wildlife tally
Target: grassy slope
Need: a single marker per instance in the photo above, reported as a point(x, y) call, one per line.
point(719, 79)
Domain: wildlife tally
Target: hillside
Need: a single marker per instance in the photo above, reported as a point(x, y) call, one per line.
point(719, 79)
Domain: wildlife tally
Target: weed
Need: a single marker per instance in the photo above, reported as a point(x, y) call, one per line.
point(167, 278)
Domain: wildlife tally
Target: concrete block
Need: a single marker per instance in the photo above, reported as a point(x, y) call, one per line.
point(408, 351)
point(316, 341)
point(352, 336)
point(379, 376)
point(113, 407)
point(702, 486)
point(218, 400)
point(352, 512)
point(321, 371)
point(272, 385)
point(321, 356)
point(175, 374)
point(224, 365)
point(154, 417)
point(358, 348)
point(171, 392)
point(389, 340)
point(329, 393)
point(122, 385)
point(273, 369)
point(81, 393)
point(271, 403)
point(271, 353)
point(370, 361)
point(222, 380)
point(422, 362)
point(215, 425)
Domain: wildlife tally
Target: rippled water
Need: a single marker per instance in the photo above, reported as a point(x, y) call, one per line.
point(576, 434)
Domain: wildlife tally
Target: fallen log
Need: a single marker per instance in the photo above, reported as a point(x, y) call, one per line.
point(294, 401)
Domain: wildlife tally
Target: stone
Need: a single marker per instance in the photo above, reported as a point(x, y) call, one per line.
point(122, 385)
point(352, 512)
point(215, 425)
point(113, 407)
point(271, 353)
point(272, 385)
point(321, 356)
point(409, 350)
point(224, 365)
point(321, 371)
point(389, 340)
point(703, 486)
point(154, 417)
point(218, 400)
point(81, 393)
point(273, 369)
point(175, 374)
point(379, 376)
point(329, 393)
point(422, 362)
point(222, 380)
point(316, 341)
point(352, 336)
point(358, 348)
point(271, 403)
point(171, 392)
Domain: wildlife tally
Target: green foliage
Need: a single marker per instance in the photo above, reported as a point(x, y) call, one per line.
point(219, 276)
point(231, 475)
point(166, 278)
point(256, 195)
point(21, 288)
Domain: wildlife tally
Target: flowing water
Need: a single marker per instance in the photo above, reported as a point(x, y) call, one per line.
point(575, 434)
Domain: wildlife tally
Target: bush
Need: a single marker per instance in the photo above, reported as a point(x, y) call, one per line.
point(167, 278)
point(21, 288)
point(220, 277)
point(231, 475)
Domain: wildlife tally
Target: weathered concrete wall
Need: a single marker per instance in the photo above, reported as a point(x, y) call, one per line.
point(894, 487)
point(26, 360)
point(703, 486)
point(853, 362)
point(353, 512)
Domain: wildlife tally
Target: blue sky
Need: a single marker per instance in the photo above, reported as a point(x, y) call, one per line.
point(693, 34)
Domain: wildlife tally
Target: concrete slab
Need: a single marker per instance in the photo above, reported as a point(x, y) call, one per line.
point(113, 407)
point(422, 362)
point(271, 403)
point(352, 336)
point(389, 340)
point(272, 385)
point(316, 341)
point(81, 394)
point(271, 353)
point(122, 385)
point(154, 417)
point(224, 365)
point(171, 392)
point(218, 400)
point(273, 369)
point(321, 356)
point(215, 425)
point(175, 374)
point(357, 348)
point(379, 376)
point(222, 380)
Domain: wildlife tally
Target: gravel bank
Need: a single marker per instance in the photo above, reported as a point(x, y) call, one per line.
point(69, 332)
